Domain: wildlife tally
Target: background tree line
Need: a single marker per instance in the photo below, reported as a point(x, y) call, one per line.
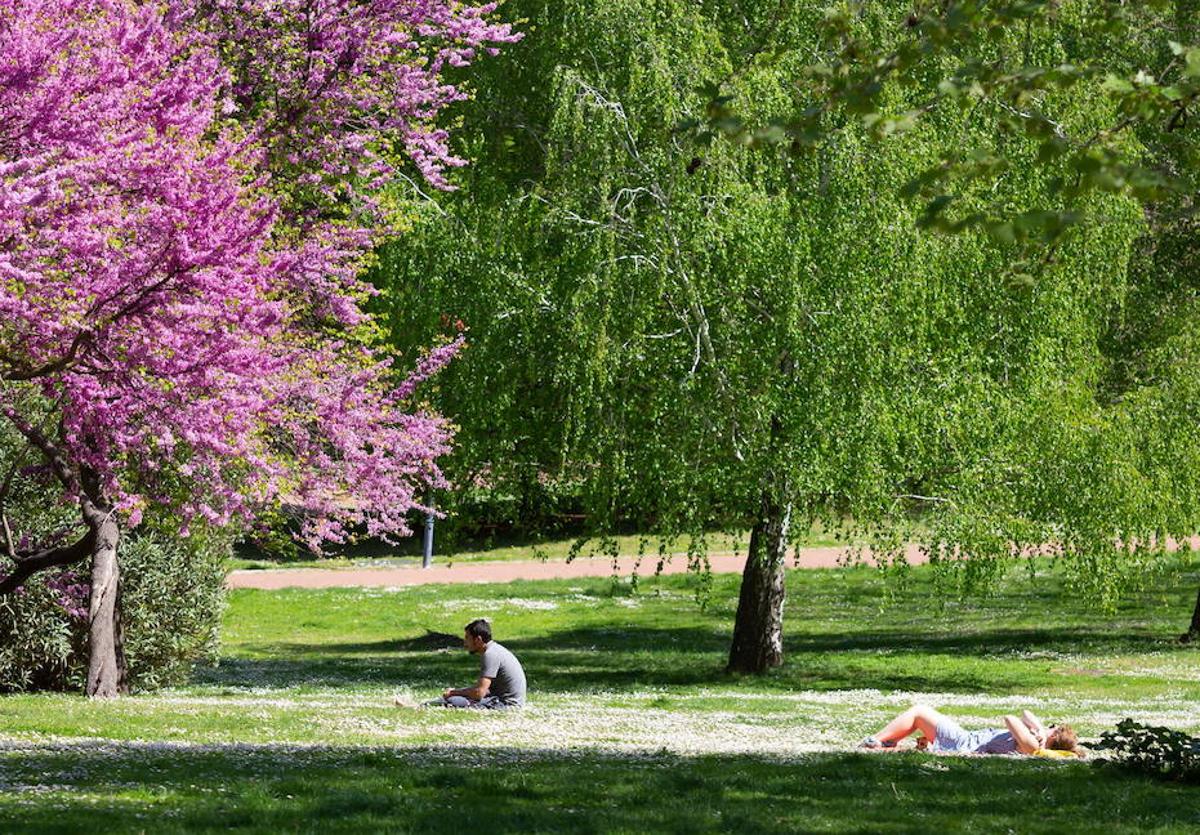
point(691, 319)
point(926, 266)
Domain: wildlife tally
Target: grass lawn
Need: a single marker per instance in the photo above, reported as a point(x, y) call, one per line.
point(632, 724)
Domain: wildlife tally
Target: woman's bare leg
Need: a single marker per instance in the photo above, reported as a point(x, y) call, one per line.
point(917, 718)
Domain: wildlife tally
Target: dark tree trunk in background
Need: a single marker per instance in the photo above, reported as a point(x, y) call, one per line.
point(758, 627)
point(106, 658)
point(1193, 633)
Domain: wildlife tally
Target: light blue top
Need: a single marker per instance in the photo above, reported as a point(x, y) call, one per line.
point(954, 738)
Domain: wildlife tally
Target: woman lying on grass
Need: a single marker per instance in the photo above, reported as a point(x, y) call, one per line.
point(942, 735)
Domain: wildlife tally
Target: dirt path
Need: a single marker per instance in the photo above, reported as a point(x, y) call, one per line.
point(503, 572)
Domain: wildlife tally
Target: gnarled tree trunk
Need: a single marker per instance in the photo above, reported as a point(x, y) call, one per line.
point(106, 658)
point(758, 628)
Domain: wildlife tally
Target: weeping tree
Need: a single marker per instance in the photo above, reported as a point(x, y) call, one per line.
point(706, 332)
point(1141, 64)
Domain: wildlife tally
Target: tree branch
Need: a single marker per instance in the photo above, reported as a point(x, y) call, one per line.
point(18, 374)
point(47, 558)
point(58, 461)
point(9, 550)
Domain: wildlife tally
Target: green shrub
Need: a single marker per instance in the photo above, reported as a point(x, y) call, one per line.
point(44, 638)
point(1166, 753)
point(171, 602)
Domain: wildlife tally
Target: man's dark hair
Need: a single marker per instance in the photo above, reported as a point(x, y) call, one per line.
point(480, 629)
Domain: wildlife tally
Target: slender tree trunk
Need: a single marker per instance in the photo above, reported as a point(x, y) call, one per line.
point(106, 658)
point(1193, 632)
point(758, 628)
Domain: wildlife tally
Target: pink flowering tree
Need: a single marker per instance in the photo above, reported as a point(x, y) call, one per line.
point(186, 196)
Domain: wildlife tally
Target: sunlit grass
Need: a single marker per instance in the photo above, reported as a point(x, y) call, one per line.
point(632, 723)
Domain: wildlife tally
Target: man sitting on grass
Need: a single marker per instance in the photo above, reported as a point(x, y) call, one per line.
point(501, 680)
point(1025, 735)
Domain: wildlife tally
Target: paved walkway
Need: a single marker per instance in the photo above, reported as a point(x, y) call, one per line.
point(505, 571)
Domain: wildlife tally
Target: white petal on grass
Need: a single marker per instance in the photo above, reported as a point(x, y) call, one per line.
point(720, 720)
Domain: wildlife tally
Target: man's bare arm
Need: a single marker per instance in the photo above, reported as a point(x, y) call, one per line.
point(476, 693)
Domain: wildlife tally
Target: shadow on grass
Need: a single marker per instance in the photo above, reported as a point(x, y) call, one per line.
point(840, 632)
point(1065, 639)
point(638, 657)
point(130, 788)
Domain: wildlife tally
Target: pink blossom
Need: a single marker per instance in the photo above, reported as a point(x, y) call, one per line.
point(189, 193)
point(72, 592)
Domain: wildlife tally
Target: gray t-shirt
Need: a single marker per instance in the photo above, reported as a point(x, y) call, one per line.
point(503, 668)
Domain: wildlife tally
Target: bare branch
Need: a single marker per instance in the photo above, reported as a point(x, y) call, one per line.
point(58, 461)
point(48, 558)
point(9, 550)
point(930, 499)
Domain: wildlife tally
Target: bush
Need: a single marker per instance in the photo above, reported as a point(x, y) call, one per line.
point(1165, 753)
point(171, 602)
point(172, 597)
point(45, 634)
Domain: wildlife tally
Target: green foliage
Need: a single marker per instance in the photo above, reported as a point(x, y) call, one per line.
point(42, 642)
point(1012, 63)
point(172, 598)
point(171, 604)
point(1171, 755)
point(1098, 97)
point(43, 646)
point(665, 330)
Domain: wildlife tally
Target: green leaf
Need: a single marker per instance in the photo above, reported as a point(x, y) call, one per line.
point(1116, 84)
point(1003, 233)
point(771, 135)
point(1051, 149)
point(934, 209)
point(948, 88)
point(1021, 282)
point(1193, 63)
point(729, 125)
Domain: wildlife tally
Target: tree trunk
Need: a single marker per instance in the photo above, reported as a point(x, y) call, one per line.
point(1193, 632)
point(758, 628)
point(106, 658)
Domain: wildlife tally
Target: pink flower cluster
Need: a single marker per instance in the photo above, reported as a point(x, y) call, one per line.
point(186, 195)
point(340, 81)
point(74, 593)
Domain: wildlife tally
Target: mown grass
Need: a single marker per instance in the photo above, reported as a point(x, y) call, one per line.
point(632, 726)
point(342, 789)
